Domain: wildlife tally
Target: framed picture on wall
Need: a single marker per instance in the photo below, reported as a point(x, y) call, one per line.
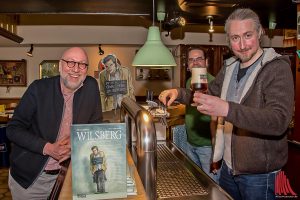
point(49, 68)
point(144, 73)
point(13, 73)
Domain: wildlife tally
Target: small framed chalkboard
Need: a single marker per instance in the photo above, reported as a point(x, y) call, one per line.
point(115, 87)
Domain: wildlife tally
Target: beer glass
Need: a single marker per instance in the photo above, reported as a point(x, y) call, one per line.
point(198, 81)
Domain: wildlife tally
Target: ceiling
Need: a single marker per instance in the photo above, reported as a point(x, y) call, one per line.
point(140, 12)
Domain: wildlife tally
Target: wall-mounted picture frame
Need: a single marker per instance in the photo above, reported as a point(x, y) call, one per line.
point(49, 68)
point(13, 73)
point(153, 74)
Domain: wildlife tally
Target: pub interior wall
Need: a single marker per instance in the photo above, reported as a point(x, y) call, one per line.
point(50, 41)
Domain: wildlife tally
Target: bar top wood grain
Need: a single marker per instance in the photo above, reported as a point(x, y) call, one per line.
point(66, 191)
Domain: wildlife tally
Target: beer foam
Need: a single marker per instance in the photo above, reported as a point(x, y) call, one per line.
point(199, 75)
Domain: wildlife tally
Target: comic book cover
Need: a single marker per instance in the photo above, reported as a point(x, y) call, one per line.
point(99, 161)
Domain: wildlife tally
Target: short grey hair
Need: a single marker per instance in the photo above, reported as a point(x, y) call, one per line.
point(243, 14)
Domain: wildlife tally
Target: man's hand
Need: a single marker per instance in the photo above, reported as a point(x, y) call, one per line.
point(211, 105)
point(60, 150)
point(167, 97)
point(215, 166)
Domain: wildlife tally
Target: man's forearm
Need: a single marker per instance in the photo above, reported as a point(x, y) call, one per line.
point(184, 96)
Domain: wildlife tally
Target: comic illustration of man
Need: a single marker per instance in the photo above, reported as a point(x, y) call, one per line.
point(114, 73)
point(98, 168)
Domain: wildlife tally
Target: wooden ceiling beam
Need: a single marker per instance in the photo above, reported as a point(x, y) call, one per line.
point(11, 36)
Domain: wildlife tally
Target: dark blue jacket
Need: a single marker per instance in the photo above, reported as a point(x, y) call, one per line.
point(36, 121)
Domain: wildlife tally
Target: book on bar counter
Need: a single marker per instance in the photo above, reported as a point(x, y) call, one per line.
point(130, 180)
point(99, 161)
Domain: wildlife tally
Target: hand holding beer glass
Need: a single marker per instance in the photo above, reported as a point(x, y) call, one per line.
point(199, 81)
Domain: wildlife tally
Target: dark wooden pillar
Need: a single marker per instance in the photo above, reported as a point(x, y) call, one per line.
point(296, 133)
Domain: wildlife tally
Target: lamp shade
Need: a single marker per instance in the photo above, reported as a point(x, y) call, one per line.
point(154, 53)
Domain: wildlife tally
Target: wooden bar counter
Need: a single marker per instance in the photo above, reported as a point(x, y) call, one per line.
point(66, 191)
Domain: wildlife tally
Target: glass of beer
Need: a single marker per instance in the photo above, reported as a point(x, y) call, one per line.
point(198, 81)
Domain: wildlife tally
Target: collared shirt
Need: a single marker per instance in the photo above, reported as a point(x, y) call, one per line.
point(65, 125)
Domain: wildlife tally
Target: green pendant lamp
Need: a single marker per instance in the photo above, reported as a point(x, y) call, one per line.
point(154, 53)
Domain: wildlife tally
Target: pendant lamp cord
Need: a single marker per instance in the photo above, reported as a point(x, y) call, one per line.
point(153, 13)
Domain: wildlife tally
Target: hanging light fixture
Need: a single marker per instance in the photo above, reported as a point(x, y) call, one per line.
point(174, 20)
point(100, 52)
point(154, 53)
point(211, 24)
point(29, 53)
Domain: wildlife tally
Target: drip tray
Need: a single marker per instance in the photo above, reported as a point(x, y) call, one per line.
point(173, 178)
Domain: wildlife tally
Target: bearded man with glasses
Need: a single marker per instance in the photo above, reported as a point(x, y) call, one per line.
point(197, 125)
point(40, 126)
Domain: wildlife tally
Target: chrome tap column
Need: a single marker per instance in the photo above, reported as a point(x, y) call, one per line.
point(146, 143)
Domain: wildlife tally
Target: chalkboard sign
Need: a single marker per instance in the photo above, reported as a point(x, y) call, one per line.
point(115, 87)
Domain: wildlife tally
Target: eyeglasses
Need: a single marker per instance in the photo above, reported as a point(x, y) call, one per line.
point(198, 59)
point(72, 64)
